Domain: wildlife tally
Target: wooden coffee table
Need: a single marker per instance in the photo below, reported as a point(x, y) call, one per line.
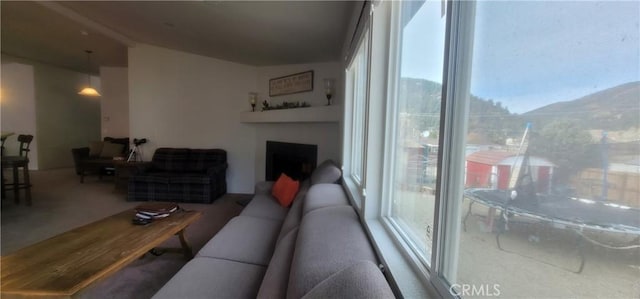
point(61, 266)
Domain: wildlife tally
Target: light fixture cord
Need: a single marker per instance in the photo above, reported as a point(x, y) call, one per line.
point(88, 67)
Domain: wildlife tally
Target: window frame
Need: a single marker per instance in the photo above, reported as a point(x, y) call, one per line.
point(411, 276)
point(356, 182)
point(397, 229)
point(358, 154)
point(410, 272)
point(456, 99)
point(407, 271)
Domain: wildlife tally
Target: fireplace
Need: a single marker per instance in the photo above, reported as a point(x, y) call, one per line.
point(294, 159)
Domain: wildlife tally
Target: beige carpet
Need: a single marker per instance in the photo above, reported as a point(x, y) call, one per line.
point(61, 203)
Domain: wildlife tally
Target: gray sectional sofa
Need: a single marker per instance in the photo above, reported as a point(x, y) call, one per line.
point(317, 248)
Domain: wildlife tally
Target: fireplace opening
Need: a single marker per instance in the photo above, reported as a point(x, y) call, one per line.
point(294, 159)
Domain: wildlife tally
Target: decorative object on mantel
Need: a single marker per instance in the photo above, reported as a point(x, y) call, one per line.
point(284, 105)
point(314, 114)
point(295, 83)
point(89, 91)
point(328, 89)
point(253, 99)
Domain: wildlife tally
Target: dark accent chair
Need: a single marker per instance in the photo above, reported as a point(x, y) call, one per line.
point(87, 164)
point(181, 175)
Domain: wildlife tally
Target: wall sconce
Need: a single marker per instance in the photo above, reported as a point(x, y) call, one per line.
point(329, 89)
point(253, 99)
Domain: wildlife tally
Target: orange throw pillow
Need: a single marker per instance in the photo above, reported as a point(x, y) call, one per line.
point(285, 189)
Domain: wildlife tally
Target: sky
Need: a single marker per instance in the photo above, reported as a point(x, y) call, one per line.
point(529, 54)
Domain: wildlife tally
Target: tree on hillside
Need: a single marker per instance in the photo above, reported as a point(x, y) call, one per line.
point(489, 118)
point(568, 146)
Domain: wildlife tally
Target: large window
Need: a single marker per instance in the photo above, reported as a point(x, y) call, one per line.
point(416, 120)
point(357, 88)
point(360, 70)
point(552, 146)
point(511, 137)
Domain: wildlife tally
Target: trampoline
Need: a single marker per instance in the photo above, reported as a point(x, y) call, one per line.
point(578, 215)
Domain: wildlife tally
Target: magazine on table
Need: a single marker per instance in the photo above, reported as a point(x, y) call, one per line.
point(146, 213)
point(157, 208)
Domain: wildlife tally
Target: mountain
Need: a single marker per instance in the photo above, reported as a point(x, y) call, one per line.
point(614, 109)
point(487, 119)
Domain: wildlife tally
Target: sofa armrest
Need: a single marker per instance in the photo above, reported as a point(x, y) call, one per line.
point(263, 187)
point(80, 154)
point(217, 170)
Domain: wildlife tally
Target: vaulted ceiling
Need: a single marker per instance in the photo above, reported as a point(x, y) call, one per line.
point(248, 32)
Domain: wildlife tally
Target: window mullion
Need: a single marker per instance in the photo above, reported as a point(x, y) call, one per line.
point(453, 129)
point(390, 139)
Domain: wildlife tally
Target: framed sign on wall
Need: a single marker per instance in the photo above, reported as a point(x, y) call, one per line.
point(295, 83)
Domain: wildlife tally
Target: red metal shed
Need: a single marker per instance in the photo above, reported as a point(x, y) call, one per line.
point(491, 169)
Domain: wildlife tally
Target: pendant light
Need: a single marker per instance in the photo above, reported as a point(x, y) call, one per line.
point(89, 91)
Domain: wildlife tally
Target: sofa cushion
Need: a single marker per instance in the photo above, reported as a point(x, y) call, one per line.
point(265, 206)
point(205, 277)
point(110, 150)
point(327, 172)
point(362, 280)
point(122, 140)
point(324, 195)
point(329, 240)
point(170, 159)
point(244, 239)
point(152, 177)
point(202, 159)
point(276, 279)
point(189, 178)
point(95, 148)
point(295, 211)
point(263, 187)
point(285, 189)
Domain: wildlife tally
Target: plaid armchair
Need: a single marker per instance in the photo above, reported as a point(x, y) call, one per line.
point(181, 175)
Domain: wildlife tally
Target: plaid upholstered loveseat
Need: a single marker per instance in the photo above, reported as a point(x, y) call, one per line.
point(181, 175)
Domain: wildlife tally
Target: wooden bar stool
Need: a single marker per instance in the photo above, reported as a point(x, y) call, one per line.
point(3, 138)
point(15, 163)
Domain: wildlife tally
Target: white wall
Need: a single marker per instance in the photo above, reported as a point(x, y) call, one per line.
point(325, 135)
point(50, 109)
point(316, 97)
point(178, 99)
point(114, 102)
point(64, 119)
point(18, 107)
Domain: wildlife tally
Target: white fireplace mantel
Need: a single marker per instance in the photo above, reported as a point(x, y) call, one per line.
point(317, 114)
